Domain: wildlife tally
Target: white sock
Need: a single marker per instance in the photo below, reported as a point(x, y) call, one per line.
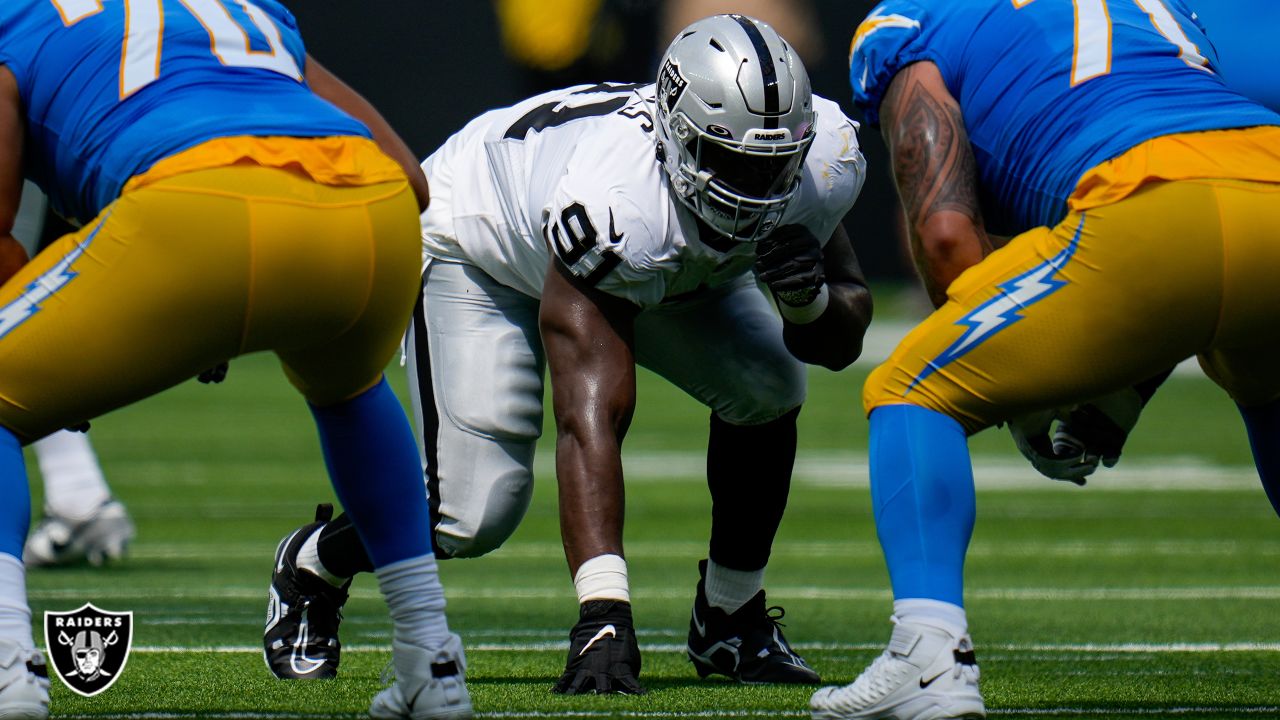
point(73, 482)
point(15, 614)
point(730, 589)
point(415, 598)
point(309, 560)
point(603, 577)
point(937, 613)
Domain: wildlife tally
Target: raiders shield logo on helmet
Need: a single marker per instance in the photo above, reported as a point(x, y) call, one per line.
point(88, 647)
point(671, 85)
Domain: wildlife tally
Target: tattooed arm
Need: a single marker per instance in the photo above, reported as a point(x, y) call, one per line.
point(936, 176)
point(12, 255)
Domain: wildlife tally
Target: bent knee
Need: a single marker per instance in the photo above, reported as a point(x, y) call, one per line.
point(451, 544)
point(890, 384)
point(477, 518)
point(770, 399)
point(876, 390)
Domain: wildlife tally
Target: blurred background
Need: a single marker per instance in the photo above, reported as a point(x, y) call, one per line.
point(431, 67)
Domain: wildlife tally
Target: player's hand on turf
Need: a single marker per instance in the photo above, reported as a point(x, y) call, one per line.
point(789, 261)
point(1031, 435)
point(603, 654)
point(1099, 428)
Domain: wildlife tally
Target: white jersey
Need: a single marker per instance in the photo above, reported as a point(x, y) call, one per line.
point(576, 171)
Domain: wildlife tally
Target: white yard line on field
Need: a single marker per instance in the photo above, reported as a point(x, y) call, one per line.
point(778, 592)
point(834, 468)
point(561, 646)
point(1232, 711)
point(846, 469)
point(1228, 711)
point(809, 549)
point(1225, 710)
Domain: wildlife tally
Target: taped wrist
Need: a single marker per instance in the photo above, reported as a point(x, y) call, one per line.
point(804, 312)
point(603, 577)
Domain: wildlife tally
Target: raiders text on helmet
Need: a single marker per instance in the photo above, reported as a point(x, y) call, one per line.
point(735, 118)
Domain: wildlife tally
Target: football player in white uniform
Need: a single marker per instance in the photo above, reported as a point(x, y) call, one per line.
point(592, 230)
point(81, 521)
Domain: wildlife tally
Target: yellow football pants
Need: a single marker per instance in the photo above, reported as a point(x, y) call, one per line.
point(1110, 296)
point(197, 268)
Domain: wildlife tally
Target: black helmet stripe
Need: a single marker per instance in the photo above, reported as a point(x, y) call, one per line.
point(767, 70)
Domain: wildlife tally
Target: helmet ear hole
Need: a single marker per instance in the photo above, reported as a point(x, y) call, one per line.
point(734, 118)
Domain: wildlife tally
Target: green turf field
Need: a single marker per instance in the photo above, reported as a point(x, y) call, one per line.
point(1152, 592)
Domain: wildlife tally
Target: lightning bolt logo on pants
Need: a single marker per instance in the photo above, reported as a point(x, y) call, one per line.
point(1005, 309)
point(42, 288)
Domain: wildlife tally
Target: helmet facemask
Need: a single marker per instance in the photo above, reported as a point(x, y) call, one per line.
point(739, 189)
point(733, 158)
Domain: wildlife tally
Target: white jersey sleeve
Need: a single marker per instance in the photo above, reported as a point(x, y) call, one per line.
point(605, 222)
point(834, 171)
point(574, 173)
point(572, 170)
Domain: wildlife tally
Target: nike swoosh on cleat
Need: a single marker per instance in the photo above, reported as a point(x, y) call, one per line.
point(926, 683)
point(701, 626)
point(606, 631)
point(298, 659)
point(284, 546)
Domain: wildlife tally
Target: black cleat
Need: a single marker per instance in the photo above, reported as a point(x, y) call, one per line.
point(603, 654)
point(300, 641)
point(746, 645)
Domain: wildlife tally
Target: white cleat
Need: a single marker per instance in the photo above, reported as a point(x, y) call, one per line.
point(24, 683)
point(430, 684)
point(925, 674)
point(103, 536)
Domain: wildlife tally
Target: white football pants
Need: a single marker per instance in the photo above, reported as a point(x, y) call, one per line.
point(476, 366)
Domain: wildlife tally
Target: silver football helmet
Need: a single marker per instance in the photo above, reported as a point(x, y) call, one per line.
point(734, 121)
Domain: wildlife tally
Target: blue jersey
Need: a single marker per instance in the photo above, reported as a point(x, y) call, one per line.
point(1051, 88)
point(1244, 33)
point(109, 87)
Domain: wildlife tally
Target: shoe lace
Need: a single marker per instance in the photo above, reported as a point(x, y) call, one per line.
point(775, 618)
point(328, 611)
point(758, 624)
point(759, 631)
point(321, 602)
point(878, 680)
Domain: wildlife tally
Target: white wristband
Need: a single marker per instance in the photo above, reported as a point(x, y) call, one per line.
point(806, 314)
point(603, 577)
